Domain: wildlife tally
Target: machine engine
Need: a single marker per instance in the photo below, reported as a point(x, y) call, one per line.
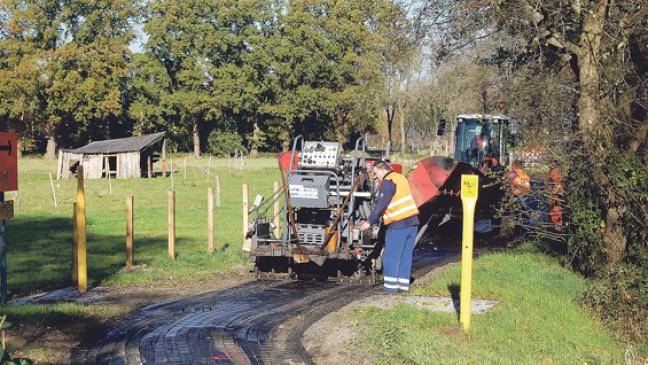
point(325, 195)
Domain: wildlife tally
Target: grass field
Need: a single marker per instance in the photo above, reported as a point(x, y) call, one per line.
point(39, 239)
point(538, 320)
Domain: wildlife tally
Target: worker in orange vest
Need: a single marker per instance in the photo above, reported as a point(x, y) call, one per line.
point(520, 181)
point(554, 184)
point(521, 187)
point(399, 213)
point(491, 164)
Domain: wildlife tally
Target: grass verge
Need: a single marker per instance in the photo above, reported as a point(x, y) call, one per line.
point(538, 319)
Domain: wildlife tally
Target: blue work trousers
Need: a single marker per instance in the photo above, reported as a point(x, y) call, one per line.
point(397, 258)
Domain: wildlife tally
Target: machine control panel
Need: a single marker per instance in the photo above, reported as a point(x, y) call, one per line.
point(321, 154)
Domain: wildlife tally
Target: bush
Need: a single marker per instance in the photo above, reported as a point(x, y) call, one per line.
point(619, 296)
point(619, 291)
point(224, 142)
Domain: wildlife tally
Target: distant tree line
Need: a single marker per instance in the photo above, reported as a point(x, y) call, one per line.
point(254, 71)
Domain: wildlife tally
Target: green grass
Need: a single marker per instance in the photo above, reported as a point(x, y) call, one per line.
point(39, 239)
point(538, 320)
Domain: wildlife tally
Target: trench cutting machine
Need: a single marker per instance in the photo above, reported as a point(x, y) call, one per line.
point(325, 195)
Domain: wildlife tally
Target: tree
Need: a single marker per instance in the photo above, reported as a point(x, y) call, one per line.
point(210, 53)
point(586, 36)
point(398, 47)
point(67, 74)
point(28, 33)
point(579, 74)
point(325, 75)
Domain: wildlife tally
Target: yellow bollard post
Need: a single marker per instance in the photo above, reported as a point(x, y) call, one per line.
point(82, 269)
point(75, 235)
point(469, 189)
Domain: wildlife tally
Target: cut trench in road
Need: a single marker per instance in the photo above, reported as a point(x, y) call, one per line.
point(260, 322)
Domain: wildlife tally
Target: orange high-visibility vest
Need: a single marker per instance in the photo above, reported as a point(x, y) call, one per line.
point(520, 182)
point(402, 204)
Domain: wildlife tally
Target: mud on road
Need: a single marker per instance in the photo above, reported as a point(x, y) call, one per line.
point(260, 322)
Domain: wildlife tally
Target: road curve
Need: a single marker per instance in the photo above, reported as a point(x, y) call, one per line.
point(260, 322)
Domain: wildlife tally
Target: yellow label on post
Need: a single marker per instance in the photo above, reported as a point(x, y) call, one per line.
point(469, 186)
point(469, 189)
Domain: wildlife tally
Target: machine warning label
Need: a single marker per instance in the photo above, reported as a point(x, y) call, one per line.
point(301, 192)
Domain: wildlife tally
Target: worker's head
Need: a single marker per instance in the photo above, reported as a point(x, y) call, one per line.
point(516, 164)
point(381, 169)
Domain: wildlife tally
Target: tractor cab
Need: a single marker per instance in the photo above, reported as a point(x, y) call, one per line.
point(479, 137)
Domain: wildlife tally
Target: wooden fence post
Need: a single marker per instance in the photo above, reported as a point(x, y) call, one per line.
point(171, 173)
point(82, 270)
point(164, 170)
point(276, 209)
point(107, 171)
point(59, 165)
point(172, 225)
point(129, 231)
point(75, 240)
point(209, 169)
point(53, 190)
point(218, 193)
point(247, 243)
point(210, 220)
point(184, 179)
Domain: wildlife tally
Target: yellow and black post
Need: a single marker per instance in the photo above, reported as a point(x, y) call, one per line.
point(469, 189)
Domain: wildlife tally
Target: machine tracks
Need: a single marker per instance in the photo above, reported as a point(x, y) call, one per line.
point(260, 322)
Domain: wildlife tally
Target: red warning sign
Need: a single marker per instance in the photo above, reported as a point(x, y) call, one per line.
point(8, 162)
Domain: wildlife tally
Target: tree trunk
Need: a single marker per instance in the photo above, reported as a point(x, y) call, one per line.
point(484, 97)
point(402, 118)
point(597, 136)
point(50, 149)
point(196, 140)
point(389, 112)
point(254, 151)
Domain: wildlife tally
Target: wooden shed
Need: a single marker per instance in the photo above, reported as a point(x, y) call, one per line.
point(121, 158)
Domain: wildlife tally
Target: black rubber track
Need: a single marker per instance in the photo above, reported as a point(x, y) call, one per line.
point(259, 322)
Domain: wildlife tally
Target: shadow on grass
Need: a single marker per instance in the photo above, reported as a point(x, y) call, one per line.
point(39, 254)
point(454, 290)
point(553, 248)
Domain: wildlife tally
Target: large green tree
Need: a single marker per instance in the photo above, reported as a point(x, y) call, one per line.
point(29, 34)
point(325, 75)
point(64, 67)
point(204, 56)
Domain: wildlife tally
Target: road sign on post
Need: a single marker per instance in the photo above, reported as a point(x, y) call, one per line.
point(8, 182)
point(469, 190)
point(8, 162)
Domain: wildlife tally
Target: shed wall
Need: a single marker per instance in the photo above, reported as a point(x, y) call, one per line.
point(128, 165)
point(66, 162)
point(92, 166)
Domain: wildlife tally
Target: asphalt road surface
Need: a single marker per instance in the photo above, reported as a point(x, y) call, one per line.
point(259, 322)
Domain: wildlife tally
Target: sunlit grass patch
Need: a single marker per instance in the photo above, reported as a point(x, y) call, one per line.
point(39, 239)
point(538, 319)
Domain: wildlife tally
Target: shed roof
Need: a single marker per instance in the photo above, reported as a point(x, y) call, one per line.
point(129, 144)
